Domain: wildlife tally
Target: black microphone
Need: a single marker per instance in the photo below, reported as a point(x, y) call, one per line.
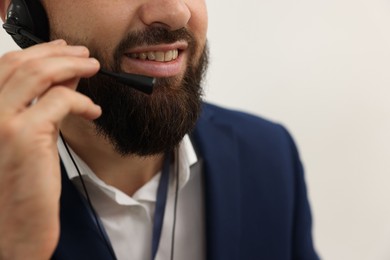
point(141, 83)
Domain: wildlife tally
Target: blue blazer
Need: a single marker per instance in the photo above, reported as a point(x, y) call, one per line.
point(256, 201)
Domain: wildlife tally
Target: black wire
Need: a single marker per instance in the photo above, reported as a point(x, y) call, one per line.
point(94, 212)
point(88, 199)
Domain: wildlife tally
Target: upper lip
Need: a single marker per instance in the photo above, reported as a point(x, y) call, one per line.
point(181, 45)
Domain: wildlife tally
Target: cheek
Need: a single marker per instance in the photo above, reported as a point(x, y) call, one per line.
point(199, 18)
point(198, 24)
point(80, 25)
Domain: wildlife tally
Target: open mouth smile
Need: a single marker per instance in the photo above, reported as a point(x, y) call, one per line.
point(160, 56)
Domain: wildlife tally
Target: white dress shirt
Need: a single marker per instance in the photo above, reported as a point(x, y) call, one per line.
point(128, 221)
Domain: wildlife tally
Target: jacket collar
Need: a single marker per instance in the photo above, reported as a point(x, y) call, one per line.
point(80, 237)
point(215, 141)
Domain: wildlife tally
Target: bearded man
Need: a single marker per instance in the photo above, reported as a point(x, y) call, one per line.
point(91, 168)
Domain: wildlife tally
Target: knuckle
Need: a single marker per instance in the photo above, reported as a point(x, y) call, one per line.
point(69, 99)
point(9, 130)
point(83, 100)
point(68, 50)
point(61, 92)
point(60, 96)
point(12, 58)
point(33, 67)
point(35, 71)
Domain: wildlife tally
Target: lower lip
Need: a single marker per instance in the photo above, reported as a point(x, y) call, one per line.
point(154, 68)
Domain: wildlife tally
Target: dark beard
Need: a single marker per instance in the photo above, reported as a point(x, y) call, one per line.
point(136, 123)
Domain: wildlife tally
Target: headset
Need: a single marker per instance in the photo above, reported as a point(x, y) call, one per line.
point(28, 24)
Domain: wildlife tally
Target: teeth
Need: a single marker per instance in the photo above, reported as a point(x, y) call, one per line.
point(159, 56)
point(151, 55)
point(143, 56)
point(175, 54)
point(168, 55)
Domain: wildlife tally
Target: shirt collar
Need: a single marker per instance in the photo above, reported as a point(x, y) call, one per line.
point(185, 157)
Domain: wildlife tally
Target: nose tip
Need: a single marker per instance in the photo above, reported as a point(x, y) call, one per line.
point(173, 14)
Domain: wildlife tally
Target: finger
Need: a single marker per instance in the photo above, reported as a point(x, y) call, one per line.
point(57, 103)
point(37, 76)
point(9, 62)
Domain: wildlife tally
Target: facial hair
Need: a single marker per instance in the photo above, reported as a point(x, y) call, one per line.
point(139, 124)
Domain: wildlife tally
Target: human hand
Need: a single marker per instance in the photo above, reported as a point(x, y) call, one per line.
point(30, 181)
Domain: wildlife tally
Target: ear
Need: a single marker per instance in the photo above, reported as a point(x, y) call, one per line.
point(3, 8)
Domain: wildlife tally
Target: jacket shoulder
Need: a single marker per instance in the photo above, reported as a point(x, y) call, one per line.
point(246, 126)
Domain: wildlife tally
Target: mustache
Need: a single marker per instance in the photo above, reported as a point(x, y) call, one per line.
point(154, 36)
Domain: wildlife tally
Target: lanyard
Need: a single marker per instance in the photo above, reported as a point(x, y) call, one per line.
point(161, 201)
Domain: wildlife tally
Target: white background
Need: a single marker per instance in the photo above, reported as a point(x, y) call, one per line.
point(322, 68)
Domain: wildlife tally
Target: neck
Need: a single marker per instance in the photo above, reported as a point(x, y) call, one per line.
point(126, 173)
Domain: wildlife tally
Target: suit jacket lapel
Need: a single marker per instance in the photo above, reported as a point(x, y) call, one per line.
point(80, 238)
point(216, 143)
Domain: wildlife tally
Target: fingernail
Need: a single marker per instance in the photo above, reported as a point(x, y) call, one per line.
point(98, 109)
point(79, 49)
point(58, 42)
point(93, 61)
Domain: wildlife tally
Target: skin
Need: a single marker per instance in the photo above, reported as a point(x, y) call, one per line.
point(29, 163)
